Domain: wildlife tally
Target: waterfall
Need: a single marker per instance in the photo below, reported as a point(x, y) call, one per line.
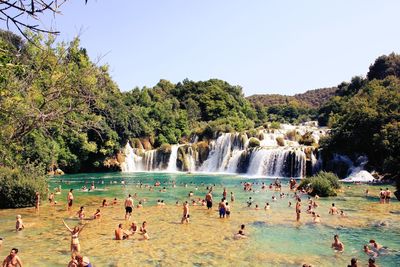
point(219, 155)
point(277, 163)
point(131, 159)
point(192, 157)
point(230, 153)
point(172, 159)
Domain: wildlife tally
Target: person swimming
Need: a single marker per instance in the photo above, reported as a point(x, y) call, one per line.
point(337, 244)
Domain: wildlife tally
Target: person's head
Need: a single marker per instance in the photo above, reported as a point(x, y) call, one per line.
point(353, 262)
point(19, 217)
point(134, 223)
point(242, 226)
point(372, 241)
point(371, 261)
point(120, 225)
point(71, 190)
point(129, 195)
point(98, 210)
point(240, 232)
point(76, 229)
point(13, 252)
point(104, 201)
point(336, 237)
point(144, 223)
point(387, 188)
point(82, 207)
point(79, 259)
point(333, 204)
point(227, 203)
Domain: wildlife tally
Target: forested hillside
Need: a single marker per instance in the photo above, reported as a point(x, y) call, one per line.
point(59, 109)
point(364, 117)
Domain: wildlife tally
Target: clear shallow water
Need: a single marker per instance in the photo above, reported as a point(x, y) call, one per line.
point(275, 238)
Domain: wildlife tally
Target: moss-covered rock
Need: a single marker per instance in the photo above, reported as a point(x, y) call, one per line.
point(203, 150)
point(146, 143)
point(280, 141)
point(254, 142)
point(307, 139)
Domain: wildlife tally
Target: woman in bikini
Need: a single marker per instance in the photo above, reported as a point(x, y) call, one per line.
point(75, 246)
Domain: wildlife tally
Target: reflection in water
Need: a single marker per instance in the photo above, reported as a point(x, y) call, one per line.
point(274, 236)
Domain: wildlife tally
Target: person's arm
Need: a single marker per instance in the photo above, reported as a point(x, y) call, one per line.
point(69, 229)
point(4, 264)
point(80, 230)
point(19, 261)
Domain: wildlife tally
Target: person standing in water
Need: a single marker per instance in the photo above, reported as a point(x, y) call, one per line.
point(12, 260)
point(75, 245)
point(185, 216)
point(298, 209)
point(70, 199)
point(37, 200)
point(128, 207)
point(209, 200)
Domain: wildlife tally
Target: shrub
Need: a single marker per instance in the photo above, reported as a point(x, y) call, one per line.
point(275, 125)
point(254, 142)
point(323, 184)
point(18, 186)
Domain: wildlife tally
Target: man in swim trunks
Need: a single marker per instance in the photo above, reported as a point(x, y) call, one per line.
point(298, 209)
point(12, 260)
point(337, 244)
point(70, 199)
point(333, 210)
point(185, 216)
point(209, 200)
point(387, 196)
point(128, 207)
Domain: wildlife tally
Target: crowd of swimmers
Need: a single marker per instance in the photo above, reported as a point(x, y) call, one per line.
point(372, 249)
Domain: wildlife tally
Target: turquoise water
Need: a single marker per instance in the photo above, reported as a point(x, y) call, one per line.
point(274, 237)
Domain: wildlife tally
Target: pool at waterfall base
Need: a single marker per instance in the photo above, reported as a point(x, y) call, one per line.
point(274, 236)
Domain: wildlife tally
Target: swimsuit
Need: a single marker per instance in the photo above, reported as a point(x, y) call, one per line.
point(128, 209)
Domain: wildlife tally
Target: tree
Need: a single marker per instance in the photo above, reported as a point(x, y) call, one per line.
point(13, 12)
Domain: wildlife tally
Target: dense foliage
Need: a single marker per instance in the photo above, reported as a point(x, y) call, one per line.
point(18, 186)
point(364, 117)
point(291, 109)
point(324, 184)
point(60, 109)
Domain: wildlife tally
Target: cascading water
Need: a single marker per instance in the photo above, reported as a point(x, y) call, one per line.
point(230, 153)
point(172, 159)
point(131, 159)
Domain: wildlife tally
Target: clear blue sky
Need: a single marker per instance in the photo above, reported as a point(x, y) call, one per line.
point(280, 46)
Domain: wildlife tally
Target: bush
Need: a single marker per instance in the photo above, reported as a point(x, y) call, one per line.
point(18, 186)
point(323, 184)
point(275, 125)
point(254, 142)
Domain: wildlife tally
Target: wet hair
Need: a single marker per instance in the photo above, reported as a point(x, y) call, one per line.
point(372, 241)
point(71, 190)
point(336, 236)
point(333, 204)
point(120, 225)
point(371, 260)
point(240, 232)
point(242, 226)
point(15, 249)
point(353, 260)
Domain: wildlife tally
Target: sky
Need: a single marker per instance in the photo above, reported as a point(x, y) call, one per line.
point(267, 47)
